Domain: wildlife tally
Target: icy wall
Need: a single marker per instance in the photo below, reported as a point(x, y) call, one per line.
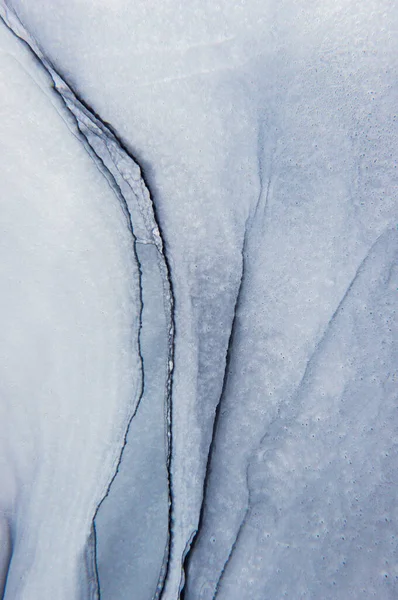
point(198, 283)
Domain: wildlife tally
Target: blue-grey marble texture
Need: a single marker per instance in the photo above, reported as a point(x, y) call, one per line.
point(198, 294)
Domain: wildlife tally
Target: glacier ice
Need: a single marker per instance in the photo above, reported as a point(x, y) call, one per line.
point(200, 202)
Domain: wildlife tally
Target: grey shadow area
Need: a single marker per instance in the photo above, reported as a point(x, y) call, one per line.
point(132, 522)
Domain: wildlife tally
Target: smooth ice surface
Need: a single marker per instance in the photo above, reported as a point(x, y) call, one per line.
point(70, 366)
point(267, 133)
point(132, 523)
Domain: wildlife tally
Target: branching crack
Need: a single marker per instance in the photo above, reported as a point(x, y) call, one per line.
point(125, 178)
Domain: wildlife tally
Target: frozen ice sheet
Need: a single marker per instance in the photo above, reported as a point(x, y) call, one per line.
point(70, 320)
point(267, 134)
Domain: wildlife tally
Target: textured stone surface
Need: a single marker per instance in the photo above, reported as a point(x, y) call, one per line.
point(199, 255)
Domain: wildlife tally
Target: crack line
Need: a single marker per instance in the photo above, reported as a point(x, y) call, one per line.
point(122, 168)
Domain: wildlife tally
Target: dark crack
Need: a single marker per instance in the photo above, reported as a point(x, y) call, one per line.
point(147, 208)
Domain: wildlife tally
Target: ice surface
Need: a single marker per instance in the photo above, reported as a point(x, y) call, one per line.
point(132, 523)
point(70, 363)
point(262, 269)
